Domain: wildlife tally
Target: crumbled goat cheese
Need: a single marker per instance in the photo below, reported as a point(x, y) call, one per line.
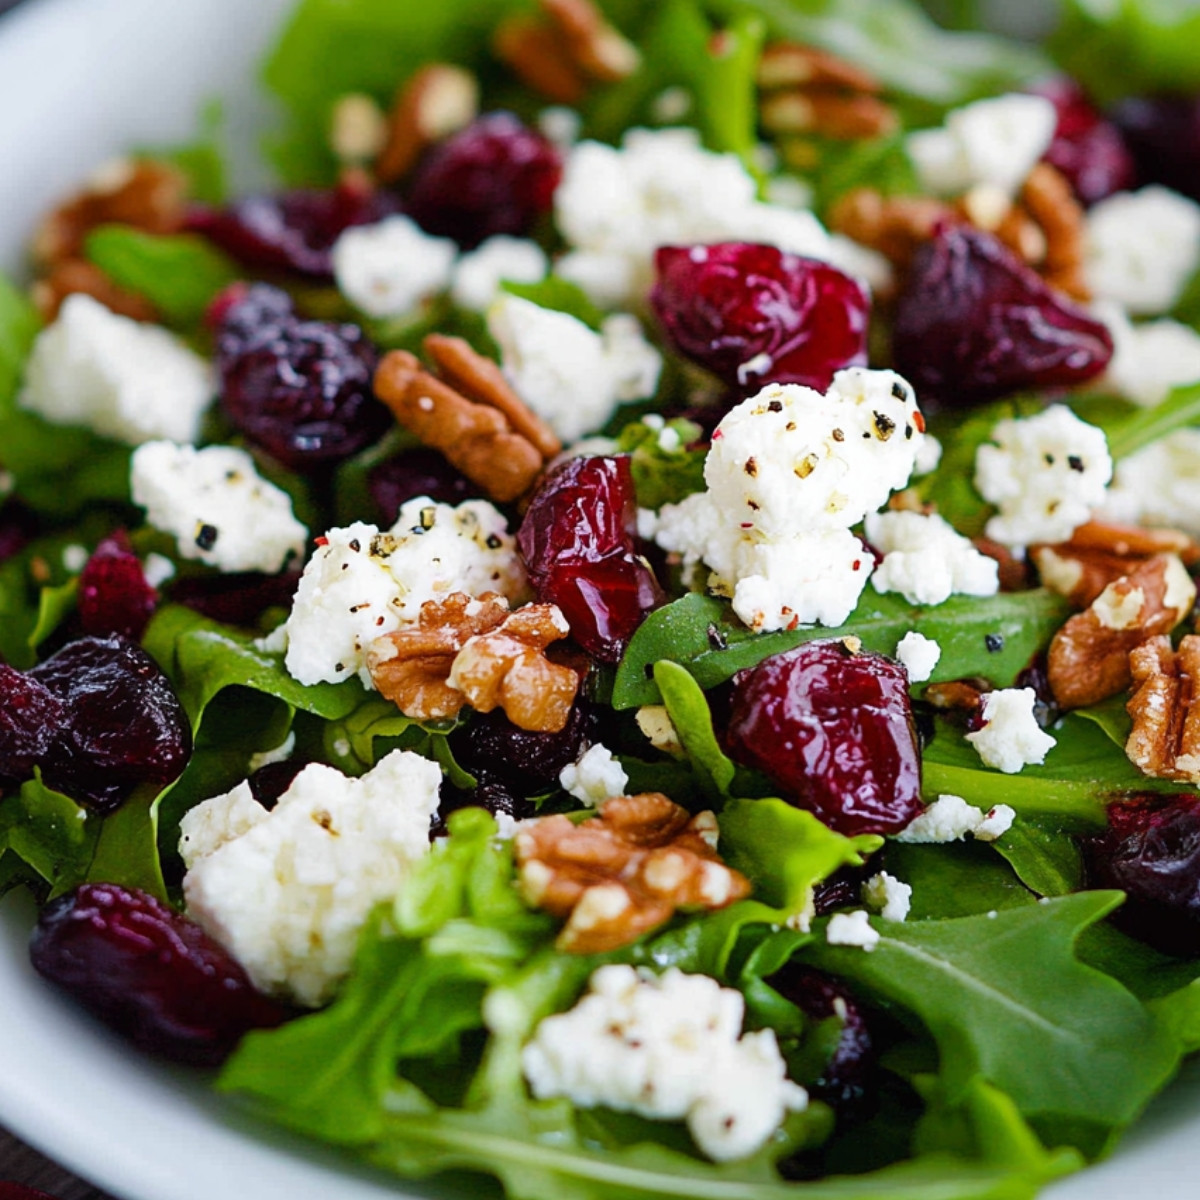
point(594, 777)
point(616, 206)
point(74, 557)
point(929, 454)
point(501, 259)
point(926, 559)
point(361, 584)
point(666, 1047)
point(950, 819)
point(158, 569)
point(216, 505)
point(918, 655)
point(389, 268)
point(1140, 248)
point(789, 473)
point(287, 892)
point(570, 375)
point(1011, 737)
point(121, 378)
point(888, 896)
point(560, 125)
point(852, 929)
point(1159, 484)
point(1044, 473)
point(1149, 359)
point(991, 142)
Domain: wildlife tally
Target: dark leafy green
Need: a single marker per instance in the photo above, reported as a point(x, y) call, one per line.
point(663, 475)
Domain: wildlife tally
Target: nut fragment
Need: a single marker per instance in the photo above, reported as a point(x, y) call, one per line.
point(894, 225)
point(75, 275)
point(1165, 739)
point(625, 871)
point(358, 129)
point(438, 100)
point(1089, 658)
point(793, 65)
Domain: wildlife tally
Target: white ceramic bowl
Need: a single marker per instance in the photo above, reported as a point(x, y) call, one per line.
point(81, 80)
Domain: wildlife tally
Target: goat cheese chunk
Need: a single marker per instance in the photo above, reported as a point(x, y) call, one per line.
point(362, 583)
point(1149, 359)
point(479, 273)
point(1159, 484)
point(668, 1047)
point(888, 896)
point(852, 929)
point(216, 505)
point(1141, 248)
point(918, 655)
point(994, 143)
point(950, 819)
point(121, 378)
point(1010, 737)
point(594, 777)
point(926, 559)
point(287, 892)
point(1044, 473)
point(389, 268)
point(570, 375)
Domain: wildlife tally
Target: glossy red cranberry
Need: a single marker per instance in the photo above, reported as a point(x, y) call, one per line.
point(299, 389)
point(1163, 135)
point(842, 889)
point(753, 314)
point(974, 322)
point(148, 972)
point(577, 540)
point(238, 599)
point(31, 716)
point(1151, 851)
point(495, 176)
point(114, 596)
point(268, 783)
point(834, 731)
point(291, 231)
point(494, 798)
point(1088, 149)
point(417, 472)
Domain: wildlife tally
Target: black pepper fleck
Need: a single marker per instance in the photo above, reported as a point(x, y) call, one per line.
point(1075, 462)
point(206, 537)
point(884, 426)
point(494, 542)
point(994, 642)
point(751, 467)
point(1049, 459)
point(355, 545)
point(898, 390)
point(774, 406)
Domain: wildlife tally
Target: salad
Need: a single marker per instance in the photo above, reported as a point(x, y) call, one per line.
point(628, 627)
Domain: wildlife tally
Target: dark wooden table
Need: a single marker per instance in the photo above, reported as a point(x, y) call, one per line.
point(21, 1164)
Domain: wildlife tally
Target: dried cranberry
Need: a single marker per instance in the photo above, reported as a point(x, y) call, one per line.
point(974, 322)
point(495, 798)
point(834, 731)
point(1151, 851)
point(149, 972)
point(417, 472)
point(300, 389)
point(1086, 148)
point(114, 596)
point(1037, 676)
point(753, 314)
point(494, 176)
point(18, 1191)
point(291, 231)
point(842, 889)
point(577, 540)
point(1163, 135)
point(268, 783)
point(31, 716)
point(17, 527)
point(237, 599)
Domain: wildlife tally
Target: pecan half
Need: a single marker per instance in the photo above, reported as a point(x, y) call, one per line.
point(1165, 739)
point(894, 225)
point(438, 100)
point(78, 275)
point(1088, 659)
point(625, 871)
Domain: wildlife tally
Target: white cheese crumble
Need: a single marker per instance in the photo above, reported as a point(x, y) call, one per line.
point(74, 557)
point(852, 929)
point(926, 559)
point(362, 583)
point(479, 273)
point(122, 379)
point(158, 569)
point(286, 892)
point(1011, 737)
point(666, 1047)
point(1159, 484)
point(789, 473)
point(1140, 248)
point(389, 268)
point(216, 506)
point(570, 375)
point(888, 896)
point(992, 142)
point(1044, 473)
point(950, 819)
point(918, 655)
point(1148, 359)
point(594, 777)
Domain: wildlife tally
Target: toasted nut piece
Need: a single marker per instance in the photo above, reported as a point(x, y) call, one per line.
point(830, 114)
point(598, 49)
point(438, 100)
point(623, 872)
point(1089, 656)
point(358, 129)
point(791, 65)
point(536, 55)
point(1048, 199)
point(72, 275)
point(507, 668)
point(893, 225)
point(1165, 739)
point(955, 695)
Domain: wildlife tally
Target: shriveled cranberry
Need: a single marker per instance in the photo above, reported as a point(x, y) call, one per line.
point(237, 599)
point(1151, 851)
point(268, 783)
point(495, 798)
point(753, 314)
point(417, 472)
point(974, 322)
point(114, 596)
point(298, 388)
point(291, 231)
point(841, 889)
point(1037, 676)
point(1087, 148)
point(577, 540)
point(833, 730)
point(847, 1072)
point(30, 717)
point(495, 176)
point(1163, 135)
point(149, 972)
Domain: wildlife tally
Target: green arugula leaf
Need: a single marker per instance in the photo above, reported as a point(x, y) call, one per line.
point(663, 475)
point(127, 845)
point(689, 713)
point(1141, 426)
point(49, 832)
point(19, 325)
point(881, 163)
point(1046, 859)
point(963, 879)
point(55, 604)
point(559, 295)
